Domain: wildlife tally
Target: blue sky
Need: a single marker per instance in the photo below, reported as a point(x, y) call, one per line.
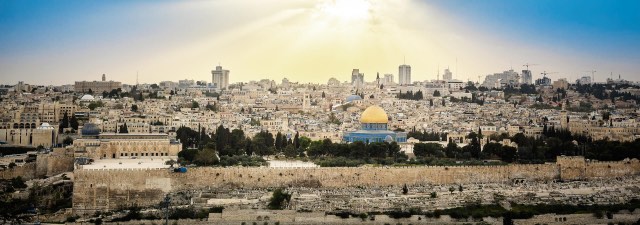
point(590, 26)
point(43, 41)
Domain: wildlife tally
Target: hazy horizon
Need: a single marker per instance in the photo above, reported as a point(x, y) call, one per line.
point(59, 42)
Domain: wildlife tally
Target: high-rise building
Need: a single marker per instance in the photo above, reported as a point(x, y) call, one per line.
point(357, 78)
point(404, 74)
point(584, 80)
point(388, 79)
point(447, 75)
point(498, 80)
point(544, 81)
point(526, 77)
point(220, 77)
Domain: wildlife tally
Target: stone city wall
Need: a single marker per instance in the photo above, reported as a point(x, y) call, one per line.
point(553, 219)
point(27, 172)
point(103, 189)
point(45, 166)
point(612, 169)
point(52, 164)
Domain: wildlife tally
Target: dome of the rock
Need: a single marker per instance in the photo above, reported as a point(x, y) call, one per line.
point(374, 114)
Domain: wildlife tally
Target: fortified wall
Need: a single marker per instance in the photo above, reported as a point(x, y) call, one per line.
point(103, 189)
point(44, 166)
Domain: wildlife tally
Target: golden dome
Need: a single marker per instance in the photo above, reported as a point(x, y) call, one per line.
point(374, 114)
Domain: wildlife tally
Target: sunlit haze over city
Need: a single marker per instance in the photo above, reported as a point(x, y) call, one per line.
point(57, 42)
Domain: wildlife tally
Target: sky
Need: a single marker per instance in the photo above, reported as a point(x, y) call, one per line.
point(62, 41)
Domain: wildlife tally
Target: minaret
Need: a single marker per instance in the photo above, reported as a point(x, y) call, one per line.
point(104, 77)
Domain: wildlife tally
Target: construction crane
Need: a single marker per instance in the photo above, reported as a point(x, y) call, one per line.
point(528, 64)
point(593, 77)
point(545, 73)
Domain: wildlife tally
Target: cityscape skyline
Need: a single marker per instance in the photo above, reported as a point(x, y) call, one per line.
point(305, 41)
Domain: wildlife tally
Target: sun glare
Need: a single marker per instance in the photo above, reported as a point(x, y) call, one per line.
point(347, 10)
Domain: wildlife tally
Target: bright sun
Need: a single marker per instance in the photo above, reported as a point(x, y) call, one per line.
point(347, 10)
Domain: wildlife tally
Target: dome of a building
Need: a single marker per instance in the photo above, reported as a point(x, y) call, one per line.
point(352, 98)
point(87, 98)
point(45, 126)
point(90, 129)
point(374, 114)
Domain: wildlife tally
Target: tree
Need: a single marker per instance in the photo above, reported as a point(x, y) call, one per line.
point(304, 142)
point(428, 149)
point(114, 93)
point(279, 200)
point(405, 190)
point(64, 123)
point(452, 189)
point(18, 182)
point(214, 107)
point(187, 137)
point(451, 150)
point(436, 93)
point(296, 140)
point(290, 151)
point(323, 95)
point(74, 122)
point(140, 97)
point(509, 154)
point(94, 105)
point(206, 157)
point(124, 129)
point(170, 162)
point(491, 150)
point(194, 105)
point(460, 189)
point(278, 141)
point(67, 141)
point(134, 108)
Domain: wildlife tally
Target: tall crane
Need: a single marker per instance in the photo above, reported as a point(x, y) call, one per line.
point(593, 78)
point(545, 73)
point(528, 64)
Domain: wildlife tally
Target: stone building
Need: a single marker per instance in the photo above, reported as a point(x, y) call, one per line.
point(45, 135)
point(100, 146)
point(97, 87)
